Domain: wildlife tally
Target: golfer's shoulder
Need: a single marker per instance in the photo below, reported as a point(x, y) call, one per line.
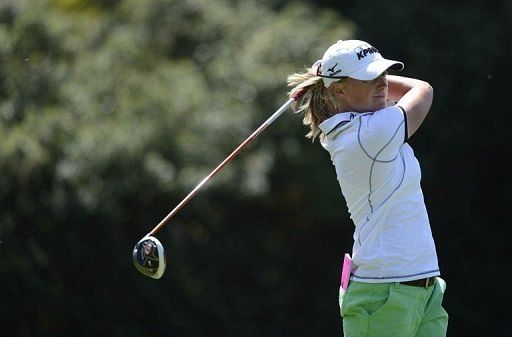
point(382, 121)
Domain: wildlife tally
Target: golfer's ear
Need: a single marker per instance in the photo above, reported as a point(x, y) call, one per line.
point(337, 89)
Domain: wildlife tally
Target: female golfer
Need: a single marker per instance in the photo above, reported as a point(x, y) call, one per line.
point(363, 118)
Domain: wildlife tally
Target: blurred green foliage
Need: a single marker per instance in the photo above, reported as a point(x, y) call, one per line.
point(112, 111)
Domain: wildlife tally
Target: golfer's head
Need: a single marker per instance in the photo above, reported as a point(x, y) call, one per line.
point(353, 59)
point(349, 77)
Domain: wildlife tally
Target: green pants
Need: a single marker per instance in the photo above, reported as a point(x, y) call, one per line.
point(393, 310)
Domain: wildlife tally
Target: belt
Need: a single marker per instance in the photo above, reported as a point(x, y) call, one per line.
point(424, 282)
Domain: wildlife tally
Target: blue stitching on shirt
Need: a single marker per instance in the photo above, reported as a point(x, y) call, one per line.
point(374, 160)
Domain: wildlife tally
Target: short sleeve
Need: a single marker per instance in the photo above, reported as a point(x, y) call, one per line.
point(380, 134)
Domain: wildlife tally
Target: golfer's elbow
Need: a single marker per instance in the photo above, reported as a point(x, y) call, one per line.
point(429, 94)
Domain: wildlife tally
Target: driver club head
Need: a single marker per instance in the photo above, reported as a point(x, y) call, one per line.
point(149, 257)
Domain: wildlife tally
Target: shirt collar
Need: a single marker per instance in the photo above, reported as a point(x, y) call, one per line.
point(335, 121)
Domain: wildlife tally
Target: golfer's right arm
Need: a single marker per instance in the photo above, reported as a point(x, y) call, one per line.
point(414, 96)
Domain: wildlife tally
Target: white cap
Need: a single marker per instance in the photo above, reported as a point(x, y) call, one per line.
point(355, 59)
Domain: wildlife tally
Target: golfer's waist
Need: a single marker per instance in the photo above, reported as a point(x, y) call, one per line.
point(409, 279)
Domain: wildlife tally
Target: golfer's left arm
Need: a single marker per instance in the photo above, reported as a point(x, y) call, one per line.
point(414, 96)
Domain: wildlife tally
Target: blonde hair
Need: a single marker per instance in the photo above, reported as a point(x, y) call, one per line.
point(315, 103)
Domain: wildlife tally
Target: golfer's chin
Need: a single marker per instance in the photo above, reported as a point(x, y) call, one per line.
point(379, 102)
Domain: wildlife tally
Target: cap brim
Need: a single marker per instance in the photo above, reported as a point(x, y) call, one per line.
point(375, 69)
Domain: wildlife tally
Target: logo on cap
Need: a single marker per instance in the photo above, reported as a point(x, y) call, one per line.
point(331, 70)
point(363, 52)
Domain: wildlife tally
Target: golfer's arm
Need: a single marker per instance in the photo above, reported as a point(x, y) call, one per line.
point(414, 96)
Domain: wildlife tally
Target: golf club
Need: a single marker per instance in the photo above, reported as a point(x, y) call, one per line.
point(148, 253)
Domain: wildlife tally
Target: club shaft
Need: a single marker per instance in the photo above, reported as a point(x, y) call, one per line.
point(233, 154)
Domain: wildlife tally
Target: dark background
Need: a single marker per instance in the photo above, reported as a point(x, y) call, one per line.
point(112, 111)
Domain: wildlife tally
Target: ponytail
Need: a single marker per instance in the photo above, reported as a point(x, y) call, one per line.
point(315, 103)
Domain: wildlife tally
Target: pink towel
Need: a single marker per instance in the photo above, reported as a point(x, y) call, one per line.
point(346, 271)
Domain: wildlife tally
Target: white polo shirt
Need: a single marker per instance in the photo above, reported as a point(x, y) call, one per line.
point(380, 181)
